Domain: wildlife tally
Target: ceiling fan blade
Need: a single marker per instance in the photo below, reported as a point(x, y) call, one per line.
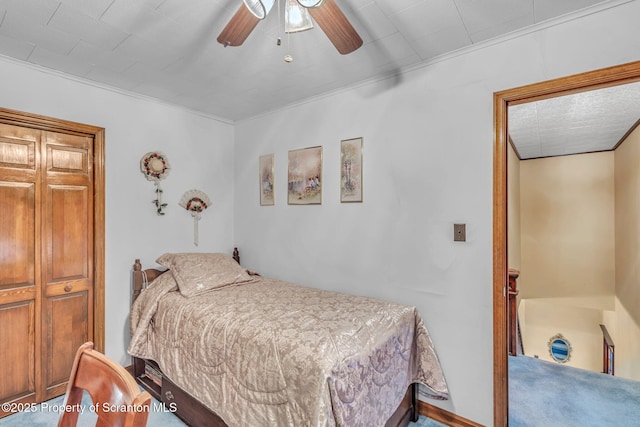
point(238, 28)
point(336, 26)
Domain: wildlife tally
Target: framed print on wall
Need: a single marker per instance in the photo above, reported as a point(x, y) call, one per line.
point(305, 176)
point(351, 170)
point(267, 197)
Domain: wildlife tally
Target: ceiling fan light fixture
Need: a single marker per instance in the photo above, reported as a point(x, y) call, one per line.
point(310, 3)
point(259, 8)
point(296, 18)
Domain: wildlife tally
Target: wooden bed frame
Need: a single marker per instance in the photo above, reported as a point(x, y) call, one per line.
point(192, 411)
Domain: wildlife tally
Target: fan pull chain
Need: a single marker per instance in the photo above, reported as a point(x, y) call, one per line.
point(288, 58)
point(279, 41)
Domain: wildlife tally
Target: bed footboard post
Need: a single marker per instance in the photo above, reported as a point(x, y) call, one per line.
point(415, 414)
point(137, 279)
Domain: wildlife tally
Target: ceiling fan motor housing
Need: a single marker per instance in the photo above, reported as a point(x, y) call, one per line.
point(311, 3)
point(325, 13)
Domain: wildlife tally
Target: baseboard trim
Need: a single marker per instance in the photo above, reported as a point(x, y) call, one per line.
point(443, 416)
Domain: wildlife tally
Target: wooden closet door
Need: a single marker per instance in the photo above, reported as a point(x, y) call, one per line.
point(20, 283)
point(67, 254)
point(46, 259)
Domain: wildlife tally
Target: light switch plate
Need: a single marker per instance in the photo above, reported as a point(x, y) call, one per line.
point(459, 232)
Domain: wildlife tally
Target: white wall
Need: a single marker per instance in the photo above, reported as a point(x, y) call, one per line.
point(546, 317)
point(514, 230)
point(427, 165)
point(568, 227)
point(626, 335)
point(199, 149)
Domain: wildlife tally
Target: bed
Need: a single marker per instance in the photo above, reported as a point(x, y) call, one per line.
point(221, 345)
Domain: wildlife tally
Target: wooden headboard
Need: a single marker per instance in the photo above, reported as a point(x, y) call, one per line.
point(143, 277)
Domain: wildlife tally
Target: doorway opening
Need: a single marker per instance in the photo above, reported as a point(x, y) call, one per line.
point(617, 75)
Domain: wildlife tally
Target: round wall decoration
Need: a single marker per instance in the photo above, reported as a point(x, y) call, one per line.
point(559, 348)
point(155, 167)
point(195, 201)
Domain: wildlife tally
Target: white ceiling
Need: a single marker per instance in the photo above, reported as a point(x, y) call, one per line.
point(585, 122)
point(167, 49)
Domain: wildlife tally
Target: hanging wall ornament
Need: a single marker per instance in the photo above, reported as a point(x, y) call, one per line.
point(195, 201)
point(155, 167)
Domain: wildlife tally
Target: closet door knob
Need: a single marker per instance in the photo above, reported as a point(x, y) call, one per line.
point(68, 288)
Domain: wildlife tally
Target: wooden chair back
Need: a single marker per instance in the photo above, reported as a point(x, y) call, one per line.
point(116, 397)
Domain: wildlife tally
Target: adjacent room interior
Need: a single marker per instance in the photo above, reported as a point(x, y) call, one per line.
point(570, 179)
point(372, 164)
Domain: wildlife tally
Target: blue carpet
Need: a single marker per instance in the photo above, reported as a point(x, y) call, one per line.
point(545, 394)
point(426, 422)
point(46, 415)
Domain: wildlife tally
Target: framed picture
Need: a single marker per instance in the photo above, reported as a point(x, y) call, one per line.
point(351, 170)
point(266, 180)
point(305, 176)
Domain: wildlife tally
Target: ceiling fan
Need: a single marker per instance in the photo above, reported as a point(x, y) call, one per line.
point(325, 13)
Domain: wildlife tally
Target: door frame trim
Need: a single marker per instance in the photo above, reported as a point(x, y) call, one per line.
point(605, 77)
point(19, 118)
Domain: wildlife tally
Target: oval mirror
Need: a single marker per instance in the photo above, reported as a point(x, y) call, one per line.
point(559, 348)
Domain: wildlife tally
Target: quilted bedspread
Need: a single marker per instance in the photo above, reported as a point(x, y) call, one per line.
point(269, 352)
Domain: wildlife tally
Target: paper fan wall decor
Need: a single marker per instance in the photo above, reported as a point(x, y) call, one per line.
point(195, 201)
point(155, 167)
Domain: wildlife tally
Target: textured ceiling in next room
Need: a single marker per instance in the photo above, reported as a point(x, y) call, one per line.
point(585, 122)
point(167, 49)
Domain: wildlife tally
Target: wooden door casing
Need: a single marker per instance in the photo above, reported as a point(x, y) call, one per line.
point(605, 77)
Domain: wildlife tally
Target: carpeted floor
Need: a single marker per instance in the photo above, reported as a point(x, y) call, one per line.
point(545, 394)
point(426, 422)
point(46, 415)
point(541, 394)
